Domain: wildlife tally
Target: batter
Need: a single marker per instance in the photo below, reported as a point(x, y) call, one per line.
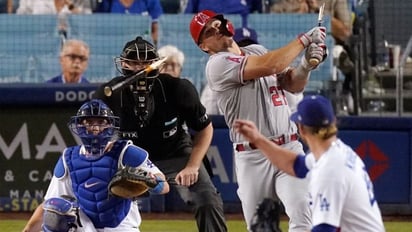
point(250, 83)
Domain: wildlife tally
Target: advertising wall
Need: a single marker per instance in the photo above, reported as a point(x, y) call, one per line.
point(32, 136)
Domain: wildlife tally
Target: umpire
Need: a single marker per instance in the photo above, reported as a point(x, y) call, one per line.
point(154, 109)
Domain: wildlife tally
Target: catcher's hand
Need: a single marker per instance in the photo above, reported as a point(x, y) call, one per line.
point(130, 182)
point(266, 218)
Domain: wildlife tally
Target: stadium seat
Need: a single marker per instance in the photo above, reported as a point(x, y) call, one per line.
point(276, 30)
point(13, 25)
point(47, 66)
point(108, 24)
point(101, 68)
point(29, 44)
point(15, 68)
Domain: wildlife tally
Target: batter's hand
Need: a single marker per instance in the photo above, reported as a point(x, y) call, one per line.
point(314, 55)
point(188, 176)
point(314, 35)
point(247, 129)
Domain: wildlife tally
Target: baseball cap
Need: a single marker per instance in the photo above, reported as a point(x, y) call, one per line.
point(245, 33)
point(314, 111)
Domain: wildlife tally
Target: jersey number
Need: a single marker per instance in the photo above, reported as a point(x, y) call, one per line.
point(278, 96)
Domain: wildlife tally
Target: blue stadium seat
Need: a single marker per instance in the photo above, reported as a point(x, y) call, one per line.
point(101, 68)
point(28, 34)
point(193, 69)
point(108, 24)
point(29, 44)
point(106, 44)
point(14, 68)
point(47, 66)
point(276, 30)
point(13, 25)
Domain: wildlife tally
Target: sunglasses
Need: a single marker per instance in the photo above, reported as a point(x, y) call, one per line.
point(74, 57)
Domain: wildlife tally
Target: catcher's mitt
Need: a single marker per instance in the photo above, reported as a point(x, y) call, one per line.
point(266, 218)
point(130, 182)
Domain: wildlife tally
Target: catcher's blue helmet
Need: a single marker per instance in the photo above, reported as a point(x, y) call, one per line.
point(96, 125)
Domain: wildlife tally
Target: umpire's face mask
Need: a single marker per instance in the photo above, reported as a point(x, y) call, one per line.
point(130, 67)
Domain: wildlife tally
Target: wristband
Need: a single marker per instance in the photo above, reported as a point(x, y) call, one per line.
point(302, 71)
point(159, 187)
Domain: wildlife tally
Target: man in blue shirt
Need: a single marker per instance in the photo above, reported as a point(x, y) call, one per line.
point(142, 7)
point(74, 59)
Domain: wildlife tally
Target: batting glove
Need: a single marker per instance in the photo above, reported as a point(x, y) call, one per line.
point(314, 35)
point(314, 51)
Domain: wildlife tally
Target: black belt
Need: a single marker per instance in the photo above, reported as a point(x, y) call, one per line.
point(279, 141)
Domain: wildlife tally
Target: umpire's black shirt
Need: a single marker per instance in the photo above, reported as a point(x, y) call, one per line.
point(175, 101)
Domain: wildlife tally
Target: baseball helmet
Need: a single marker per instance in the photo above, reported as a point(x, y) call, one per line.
point(137, 50)
point(94, 143)
point(200, 19)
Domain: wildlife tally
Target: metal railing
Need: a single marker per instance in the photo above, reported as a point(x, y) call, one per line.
point(399, 78)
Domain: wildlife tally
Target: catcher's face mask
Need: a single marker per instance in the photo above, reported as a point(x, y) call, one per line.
point(96, 125)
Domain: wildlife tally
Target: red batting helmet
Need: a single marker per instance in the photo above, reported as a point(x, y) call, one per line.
point(202, 18)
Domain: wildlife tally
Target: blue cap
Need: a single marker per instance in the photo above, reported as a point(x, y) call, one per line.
point(244, 33)
point(314, 111)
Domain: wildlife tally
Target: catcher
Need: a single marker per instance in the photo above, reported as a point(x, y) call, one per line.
point(94, 183)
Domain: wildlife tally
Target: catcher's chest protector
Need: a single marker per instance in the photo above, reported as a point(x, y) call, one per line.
point(90, 179)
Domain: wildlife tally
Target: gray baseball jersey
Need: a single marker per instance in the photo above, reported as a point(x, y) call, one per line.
point(263, 101)
point(260, 100)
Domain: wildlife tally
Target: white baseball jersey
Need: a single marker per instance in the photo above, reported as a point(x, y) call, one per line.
point(341, 192)
point(261, 100)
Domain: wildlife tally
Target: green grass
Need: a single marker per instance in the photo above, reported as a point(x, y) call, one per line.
point(190, 226)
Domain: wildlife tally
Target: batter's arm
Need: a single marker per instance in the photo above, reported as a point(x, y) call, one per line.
point(282, 158)
point(201, 143)
point(294, 80)
point(272, 62)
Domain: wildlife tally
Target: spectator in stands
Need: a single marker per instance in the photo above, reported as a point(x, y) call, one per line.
point(341, 27)
point(148, 7)
point(172, 6)
point(74, 58)
point(8, 6)
point(54, 7)
point(241, 7)
point(175, 59)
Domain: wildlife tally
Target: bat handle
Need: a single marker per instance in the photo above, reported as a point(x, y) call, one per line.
point(314, 61)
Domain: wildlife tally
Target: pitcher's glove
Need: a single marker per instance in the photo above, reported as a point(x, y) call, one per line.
point(266, 218)
point(130, 182)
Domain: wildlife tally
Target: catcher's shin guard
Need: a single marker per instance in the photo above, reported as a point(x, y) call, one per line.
point(60, 215)
point(266, 218)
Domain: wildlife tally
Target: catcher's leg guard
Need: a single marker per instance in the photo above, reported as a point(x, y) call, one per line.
point(266, 216)
point(60, 215)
